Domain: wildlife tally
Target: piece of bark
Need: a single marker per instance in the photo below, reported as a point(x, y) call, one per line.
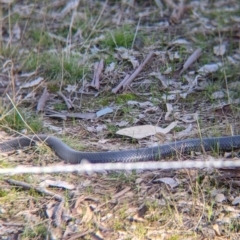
point(82, 115)
point(98, 68)
point(64, 116)
point(42, 100)
point(57, 215)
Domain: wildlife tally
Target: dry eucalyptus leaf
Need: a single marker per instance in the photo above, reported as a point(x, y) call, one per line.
point(42, 101)
point(71, 88)
point(179, 42)
point(210, 68)
point(218, 95)
point(131, 59)
point(169, 111)
point(143, 131)
point(219, 50)
point(220, 198)
point(236, 201)
point(26, 75)
point(71, 5)
point(33, 82)
point(169, 181)
point(16, 32)
point(110, 68)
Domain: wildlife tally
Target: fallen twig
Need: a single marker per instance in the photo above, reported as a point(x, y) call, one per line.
point(66, 100)
point(126, 81)
point(117, 88)
point(193, 57)
point(37, 189)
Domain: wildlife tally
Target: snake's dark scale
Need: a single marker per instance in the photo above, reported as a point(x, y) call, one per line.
point(70, 155)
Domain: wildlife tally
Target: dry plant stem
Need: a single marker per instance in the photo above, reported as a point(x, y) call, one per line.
point(37, 189)
point(117, 88)
point(69, 37)
point(66, 100)
point(62, 60)
point(42, 101)
point(98, 68)
point(135, 35)
point(97, 21)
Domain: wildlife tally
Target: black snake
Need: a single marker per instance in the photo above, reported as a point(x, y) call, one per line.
point(70, 155)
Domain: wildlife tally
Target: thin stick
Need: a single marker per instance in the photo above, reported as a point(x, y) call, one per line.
point(117, 88)
point(138, 70)
point(127, 80)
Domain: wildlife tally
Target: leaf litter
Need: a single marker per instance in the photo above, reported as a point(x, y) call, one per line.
point(181, 65)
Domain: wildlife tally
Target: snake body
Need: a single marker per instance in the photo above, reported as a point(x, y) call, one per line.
point(72, 156)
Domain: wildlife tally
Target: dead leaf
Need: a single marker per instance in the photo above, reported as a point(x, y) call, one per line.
point(143, 131)
point(71, 5)
point(33, 83)
point(126, 55)
point(87, 216)
point(42, 100)
point(210, 68)
point(220, 198)
point(217, 229)
point(218, 95)
point(169, 111)
point(110, 68)
point(219, 50)
point(236, 201)
point(169, 181)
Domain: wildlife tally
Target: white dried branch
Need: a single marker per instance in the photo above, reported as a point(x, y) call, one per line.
point(100, 167)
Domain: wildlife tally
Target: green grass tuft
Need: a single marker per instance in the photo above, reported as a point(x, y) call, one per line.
point(56, 67)
point(17, 120)
point(122, 37)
